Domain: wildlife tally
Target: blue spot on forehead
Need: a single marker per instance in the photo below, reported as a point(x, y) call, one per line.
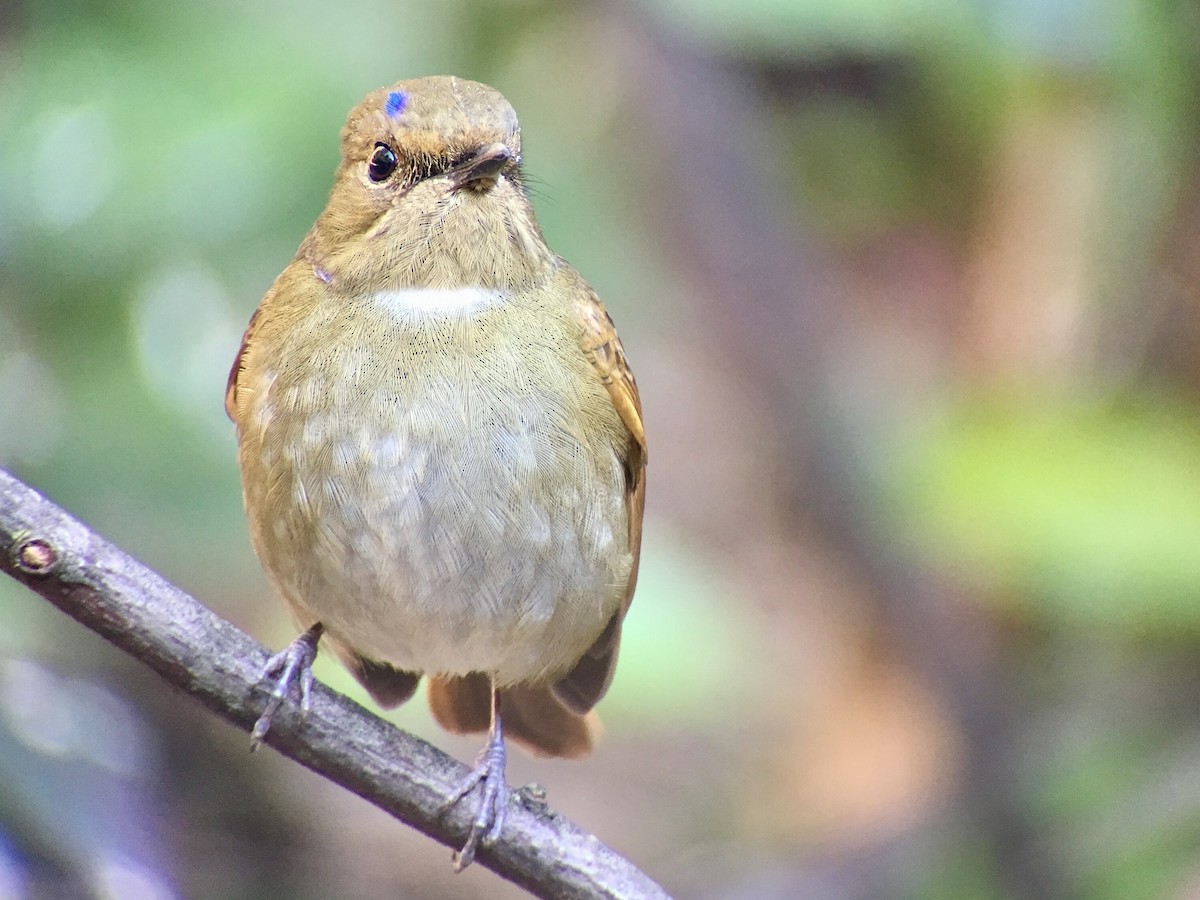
point(396, 102)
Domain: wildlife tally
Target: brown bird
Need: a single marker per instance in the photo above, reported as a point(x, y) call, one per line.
point(441, 441)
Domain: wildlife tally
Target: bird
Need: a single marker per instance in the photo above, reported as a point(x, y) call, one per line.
point(440, 441)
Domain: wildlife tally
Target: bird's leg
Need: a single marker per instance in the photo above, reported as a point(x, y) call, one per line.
point(489, 771)
point(291, 665)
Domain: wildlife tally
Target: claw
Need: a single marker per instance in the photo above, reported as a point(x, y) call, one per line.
point(291, 665)
point(493, 800)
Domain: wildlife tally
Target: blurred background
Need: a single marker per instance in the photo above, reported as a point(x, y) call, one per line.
point(910, 288)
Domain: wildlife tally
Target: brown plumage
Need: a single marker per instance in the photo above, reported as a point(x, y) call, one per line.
point(440, 437)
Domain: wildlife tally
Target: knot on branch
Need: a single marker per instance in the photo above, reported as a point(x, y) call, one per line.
point(35, 556)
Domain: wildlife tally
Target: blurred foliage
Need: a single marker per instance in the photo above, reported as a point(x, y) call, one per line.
point(1083, 515)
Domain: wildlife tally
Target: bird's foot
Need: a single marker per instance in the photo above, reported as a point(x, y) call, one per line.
point(489, 815)
point(290, 666)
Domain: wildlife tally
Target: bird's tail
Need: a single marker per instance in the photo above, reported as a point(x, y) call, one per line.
point(531, 715)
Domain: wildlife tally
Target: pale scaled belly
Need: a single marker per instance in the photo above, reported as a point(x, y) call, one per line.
point(454, 529)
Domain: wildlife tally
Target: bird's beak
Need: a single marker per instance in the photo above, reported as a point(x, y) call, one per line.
point(482, 169)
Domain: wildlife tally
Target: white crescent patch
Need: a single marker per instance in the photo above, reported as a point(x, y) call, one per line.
point(446, 301)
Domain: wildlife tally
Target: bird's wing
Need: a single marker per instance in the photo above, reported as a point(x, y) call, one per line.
point(587, 682)
point(231, 386)
point(603, 348)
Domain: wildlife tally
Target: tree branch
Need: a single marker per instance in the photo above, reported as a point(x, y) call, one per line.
point(193, 649)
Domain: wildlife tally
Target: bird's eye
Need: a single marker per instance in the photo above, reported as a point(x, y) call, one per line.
point(383, 163)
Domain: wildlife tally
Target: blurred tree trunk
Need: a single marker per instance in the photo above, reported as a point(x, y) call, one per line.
point(775, 305)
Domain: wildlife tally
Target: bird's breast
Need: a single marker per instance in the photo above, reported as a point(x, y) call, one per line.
point(436, 477)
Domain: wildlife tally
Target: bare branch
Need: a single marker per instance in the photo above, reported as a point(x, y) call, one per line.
point(193, 649)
